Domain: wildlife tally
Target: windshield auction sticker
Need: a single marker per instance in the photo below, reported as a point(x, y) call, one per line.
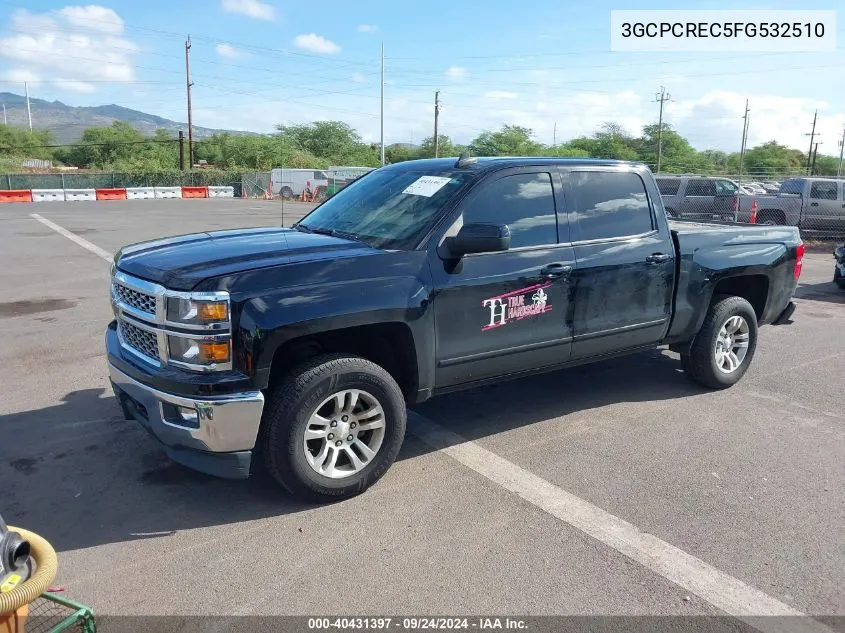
point(426, 186)
point(764, 30)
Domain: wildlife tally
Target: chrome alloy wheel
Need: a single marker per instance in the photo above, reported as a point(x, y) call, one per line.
point(732, 344)
point(344, 433)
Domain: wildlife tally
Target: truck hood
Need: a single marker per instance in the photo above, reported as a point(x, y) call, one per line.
point(181, 262)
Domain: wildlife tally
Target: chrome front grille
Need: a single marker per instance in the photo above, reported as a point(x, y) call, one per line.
point(141, 341)
point(136, 299)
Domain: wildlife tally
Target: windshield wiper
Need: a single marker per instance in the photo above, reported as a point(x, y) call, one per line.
point(331, 233)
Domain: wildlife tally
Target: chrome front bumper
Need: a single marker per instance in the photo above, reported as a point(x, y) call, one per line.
point(218, 441)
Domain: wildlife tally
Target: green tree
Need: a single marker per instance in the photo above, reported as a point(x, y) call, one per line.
point(20, 142)
point(511, 140)
point(332, 140)
point(102, 147)
point(773, 159)
point(445, 147)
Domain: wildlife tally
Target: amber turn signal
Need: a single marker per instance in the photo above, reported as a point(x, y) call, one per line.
point(214, 352)
point(216, 311)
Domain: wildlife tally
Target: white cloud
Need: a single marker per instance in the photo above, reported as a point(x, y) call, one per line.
point(316, 44)
point(358, 78)
point(499, 95)
point(251, 8)
point(61, 43)
point(714, 120)
point(227, 50)
point(367, 28)
point(21, 75)
point(93, 18)
point(456, 73)
point(74, 86)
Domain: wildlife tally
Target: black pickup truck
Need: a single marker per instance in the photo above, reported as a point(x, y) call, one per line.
point(298, 349)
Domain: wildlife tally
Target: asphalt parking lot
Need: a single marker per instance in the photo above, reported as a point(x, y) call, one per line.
point(751, 481)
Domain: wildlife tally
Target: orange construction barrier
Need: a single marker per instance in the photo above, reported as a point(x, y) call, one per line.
point(753, 218)
point(111, 194)
point(16, 195)
point(194, 192)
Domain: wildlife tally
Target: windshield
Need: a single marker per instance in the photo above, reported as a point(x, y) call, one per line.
point(387, 209)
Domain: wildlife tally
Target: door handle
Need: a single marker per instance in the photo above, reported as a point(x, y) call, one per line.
point(657, 258)
point(814, 204)
point(555, 270)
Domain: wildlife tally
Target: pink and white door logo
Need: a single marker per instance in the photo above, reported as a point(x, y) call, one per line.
point(517, 305)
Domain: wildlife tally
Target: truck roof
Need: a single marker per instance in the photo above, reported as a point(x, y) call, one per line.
point(483, 163)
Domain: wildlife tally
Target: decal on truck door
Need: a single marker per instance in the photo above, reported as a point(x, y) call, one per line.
point(517, 305)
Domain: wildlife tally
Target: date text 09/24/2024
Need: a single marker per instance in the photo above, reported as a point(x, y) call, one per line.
point(416, 623)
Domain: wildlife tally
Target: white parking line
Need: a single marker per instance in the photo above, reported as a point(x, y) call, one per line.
point(723, 591)
point(73, 237)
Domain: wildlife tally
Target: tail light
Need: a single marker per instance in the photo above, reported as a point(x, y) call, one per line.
point(735, 203)
point(799, 261)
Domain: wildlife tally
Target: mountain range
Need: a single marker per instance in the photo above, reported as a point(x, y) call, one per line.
point(69, 122)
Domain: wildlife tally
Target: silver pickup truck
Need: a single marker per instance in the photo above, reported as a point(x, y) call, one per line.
point(816, 204)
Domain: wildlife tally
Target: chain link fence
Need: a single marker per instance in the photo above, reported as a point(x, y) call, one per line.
point(111, 180)
point(307, 185)
point(815, 205)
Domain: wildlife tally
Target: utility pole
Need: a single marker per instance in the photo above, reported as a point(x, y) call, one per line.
point(28, 111)
point(815, 153)
point(744, 141)
point(189, 83)
point(812, 136)
point(841, 150)
point(660, 98)
point(554, 137)
point(4, 115)
point(382, 103)
point(436, 120)
point(181, 151)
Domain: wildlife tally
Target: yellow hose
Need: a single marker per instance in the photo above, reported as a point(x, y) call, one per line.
point(46, 562)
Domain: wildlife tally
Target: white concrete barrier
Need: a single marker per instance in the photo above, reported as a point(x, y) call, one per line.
point(48, 195)
point(168, 192)
point(80, 194)
point(140, 193)
point(221, 192)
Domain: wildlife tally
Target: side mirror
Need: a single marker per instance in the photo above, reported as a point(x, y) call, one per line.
point(479, 238)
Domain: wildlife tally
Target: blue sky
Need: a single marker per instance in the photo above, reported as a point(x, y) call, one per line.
point(544, 64)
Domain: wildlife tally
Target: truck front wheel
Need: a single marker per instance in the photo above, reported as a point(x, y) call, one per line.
point(333, 427)
point(723, 348)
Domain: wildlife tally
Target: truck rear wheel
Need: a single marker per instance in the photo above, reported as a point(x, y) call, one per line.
point(333, 427)
point(724, 347)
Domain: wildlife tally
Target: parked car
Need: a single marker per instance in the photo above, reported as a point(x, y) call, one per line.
point(298, 349)
point(754, 188)
point(771, 187)
point(839, 269)
point(699, 197)
point(808, 203)
point(289, 183)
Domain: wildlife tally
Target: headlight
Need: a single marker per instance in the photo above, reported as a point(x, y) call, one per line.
point(199, 351)
point(195, 311)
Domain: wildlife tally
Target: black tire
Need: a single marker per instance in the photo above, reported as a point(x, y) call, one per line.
point(290, 406)
point(287, 193)
point(701, 365)
point(838, 279)
point(771, 218)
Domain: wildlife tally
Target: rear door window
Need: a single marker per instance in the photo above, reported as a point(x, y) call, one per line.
point(701, 187)
point(822, 190)
point(610, 204)
point(668, 186)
